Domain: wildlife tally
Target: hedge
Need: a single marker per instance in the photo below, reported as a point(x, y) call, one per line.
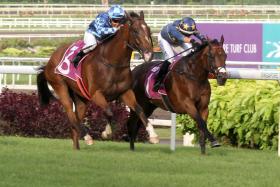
point(243, 113)
point(21, 115)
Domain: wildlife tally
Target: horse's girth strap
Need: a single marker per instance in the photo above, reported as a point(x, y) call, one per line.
point(166, 102)
point(83, 89)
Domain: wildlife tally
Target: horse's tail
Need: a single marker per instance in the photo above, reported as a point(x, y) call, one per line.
point(44, 92)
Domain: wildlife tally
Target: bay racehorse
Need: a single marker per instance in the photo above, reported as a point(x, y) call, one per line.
point(187, 88)
point(105, 73)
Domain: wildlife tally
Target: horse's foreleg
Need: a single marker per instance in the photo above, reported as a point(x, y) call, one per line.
point(129, 99)
point(193, 112)
point(80, 110)
point(204, 114)
point(99, 99)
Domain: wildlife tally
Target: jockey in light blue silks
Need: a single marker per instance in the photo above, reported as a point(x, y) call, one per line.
point(104, 25)
point(173, 39)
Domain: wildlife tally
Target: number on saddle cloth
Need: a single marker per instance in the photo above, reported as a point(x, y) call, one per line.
point(65, 67)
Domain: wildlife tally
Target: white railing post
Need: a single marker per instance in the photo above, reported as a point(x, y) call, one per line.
point(173, 132)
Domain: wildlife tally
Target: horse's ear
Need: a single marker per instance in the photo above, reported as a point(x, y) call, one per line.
point(129, 18)
point(141, 14)
point(222, 40)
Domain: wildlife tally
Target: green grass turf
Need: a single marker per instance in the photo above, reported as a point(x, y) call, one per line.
point(49, 162)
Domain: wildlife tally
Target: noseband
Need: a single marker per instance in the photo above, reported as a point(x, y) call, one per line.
point(211, 61)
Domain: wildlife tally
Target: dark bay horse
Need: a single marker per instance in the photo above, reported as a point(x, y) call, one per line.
point(187, 87)
point(106, 74)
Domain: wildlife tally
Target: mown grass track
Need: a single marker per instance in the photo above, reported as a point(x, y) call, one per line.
point(49, 162)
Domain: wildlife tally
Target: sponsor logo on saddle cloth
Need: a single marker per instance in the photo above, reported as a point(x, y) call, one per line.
point(149, 84)
point(67, 69)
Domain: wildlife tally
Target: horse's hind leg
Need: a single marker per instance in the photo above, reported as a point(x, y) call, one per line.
point(62, 91)
point(129, 99)
point(132, 128)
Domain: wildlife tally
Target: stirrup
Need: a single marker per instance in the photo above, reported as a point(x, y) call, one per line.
point(156, 86)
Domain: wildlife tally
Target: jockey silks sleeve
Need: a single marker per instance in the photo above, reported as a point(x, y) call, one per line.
point(171, 34)
point(101, 26)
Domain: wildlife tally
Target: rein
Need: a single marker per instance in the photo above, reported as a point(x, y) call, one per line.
point(180, 53)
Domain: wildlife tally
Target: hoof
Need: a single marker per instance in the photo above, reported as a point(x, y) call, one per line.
point(88, 139)
point(107, 133)
point(106, 136)
point(154, 140)
point(125, 138)
point(215, 144)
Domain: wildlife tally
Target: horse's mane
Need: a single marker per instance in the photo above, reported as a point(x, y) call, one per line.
point(201, 47)
point(134, 14)
point(215, 41)
point(198, 49)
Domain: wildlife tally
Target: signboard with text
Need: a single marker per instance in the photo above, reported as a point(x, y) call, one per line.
point(253, 42)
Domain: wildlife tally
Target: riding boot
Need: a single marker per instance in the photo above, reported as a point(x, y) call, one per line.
point(77, 58)
point(161, 74)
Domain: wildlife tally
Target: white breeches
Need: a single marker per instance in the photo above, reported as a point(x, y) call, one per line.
point(170, 50)
point(90, 42)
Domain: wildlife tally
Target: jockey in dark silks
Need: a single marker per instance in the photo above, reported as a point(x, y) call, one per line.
point(173, 39)
point(104, 25)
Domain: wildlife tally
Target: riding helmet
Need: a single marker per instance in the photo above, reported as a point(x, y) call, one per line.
point(187, 26)
point(116, 12)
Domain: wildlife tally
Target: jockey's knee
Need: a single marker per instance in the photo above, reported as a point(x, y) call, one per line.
point(90, 48)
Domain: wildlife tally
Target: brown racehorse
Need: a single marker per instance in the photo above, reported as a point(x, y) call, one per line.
point(106, 74)
point(187, 87)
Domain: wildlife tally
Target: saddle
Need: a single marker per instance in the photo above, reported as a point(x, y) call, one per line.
point(67, 69)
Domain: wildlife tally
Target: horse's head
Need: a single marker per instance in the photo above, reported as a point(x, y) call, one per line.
point(216, 58)
point(140, 35)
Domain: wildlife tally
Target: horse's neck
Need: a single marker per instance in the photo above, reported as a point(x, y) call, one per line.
point(194, 67)
point(116, 49)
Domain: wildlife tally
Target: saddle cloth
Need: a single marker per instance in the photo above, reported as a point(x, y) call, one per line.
point(67, 69)
point(150, 81)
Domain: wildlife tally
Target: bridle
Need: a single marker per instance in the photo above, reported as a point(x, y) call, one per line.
point(211, 61)
point(135, 34)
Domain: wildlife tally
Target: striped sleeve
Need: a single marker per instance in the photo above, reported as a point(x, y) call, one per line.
point(102, 29)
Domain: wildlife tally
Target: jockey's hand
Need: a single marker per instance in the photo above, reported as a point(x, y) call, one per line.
point(204, 41)
point(194, 43)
